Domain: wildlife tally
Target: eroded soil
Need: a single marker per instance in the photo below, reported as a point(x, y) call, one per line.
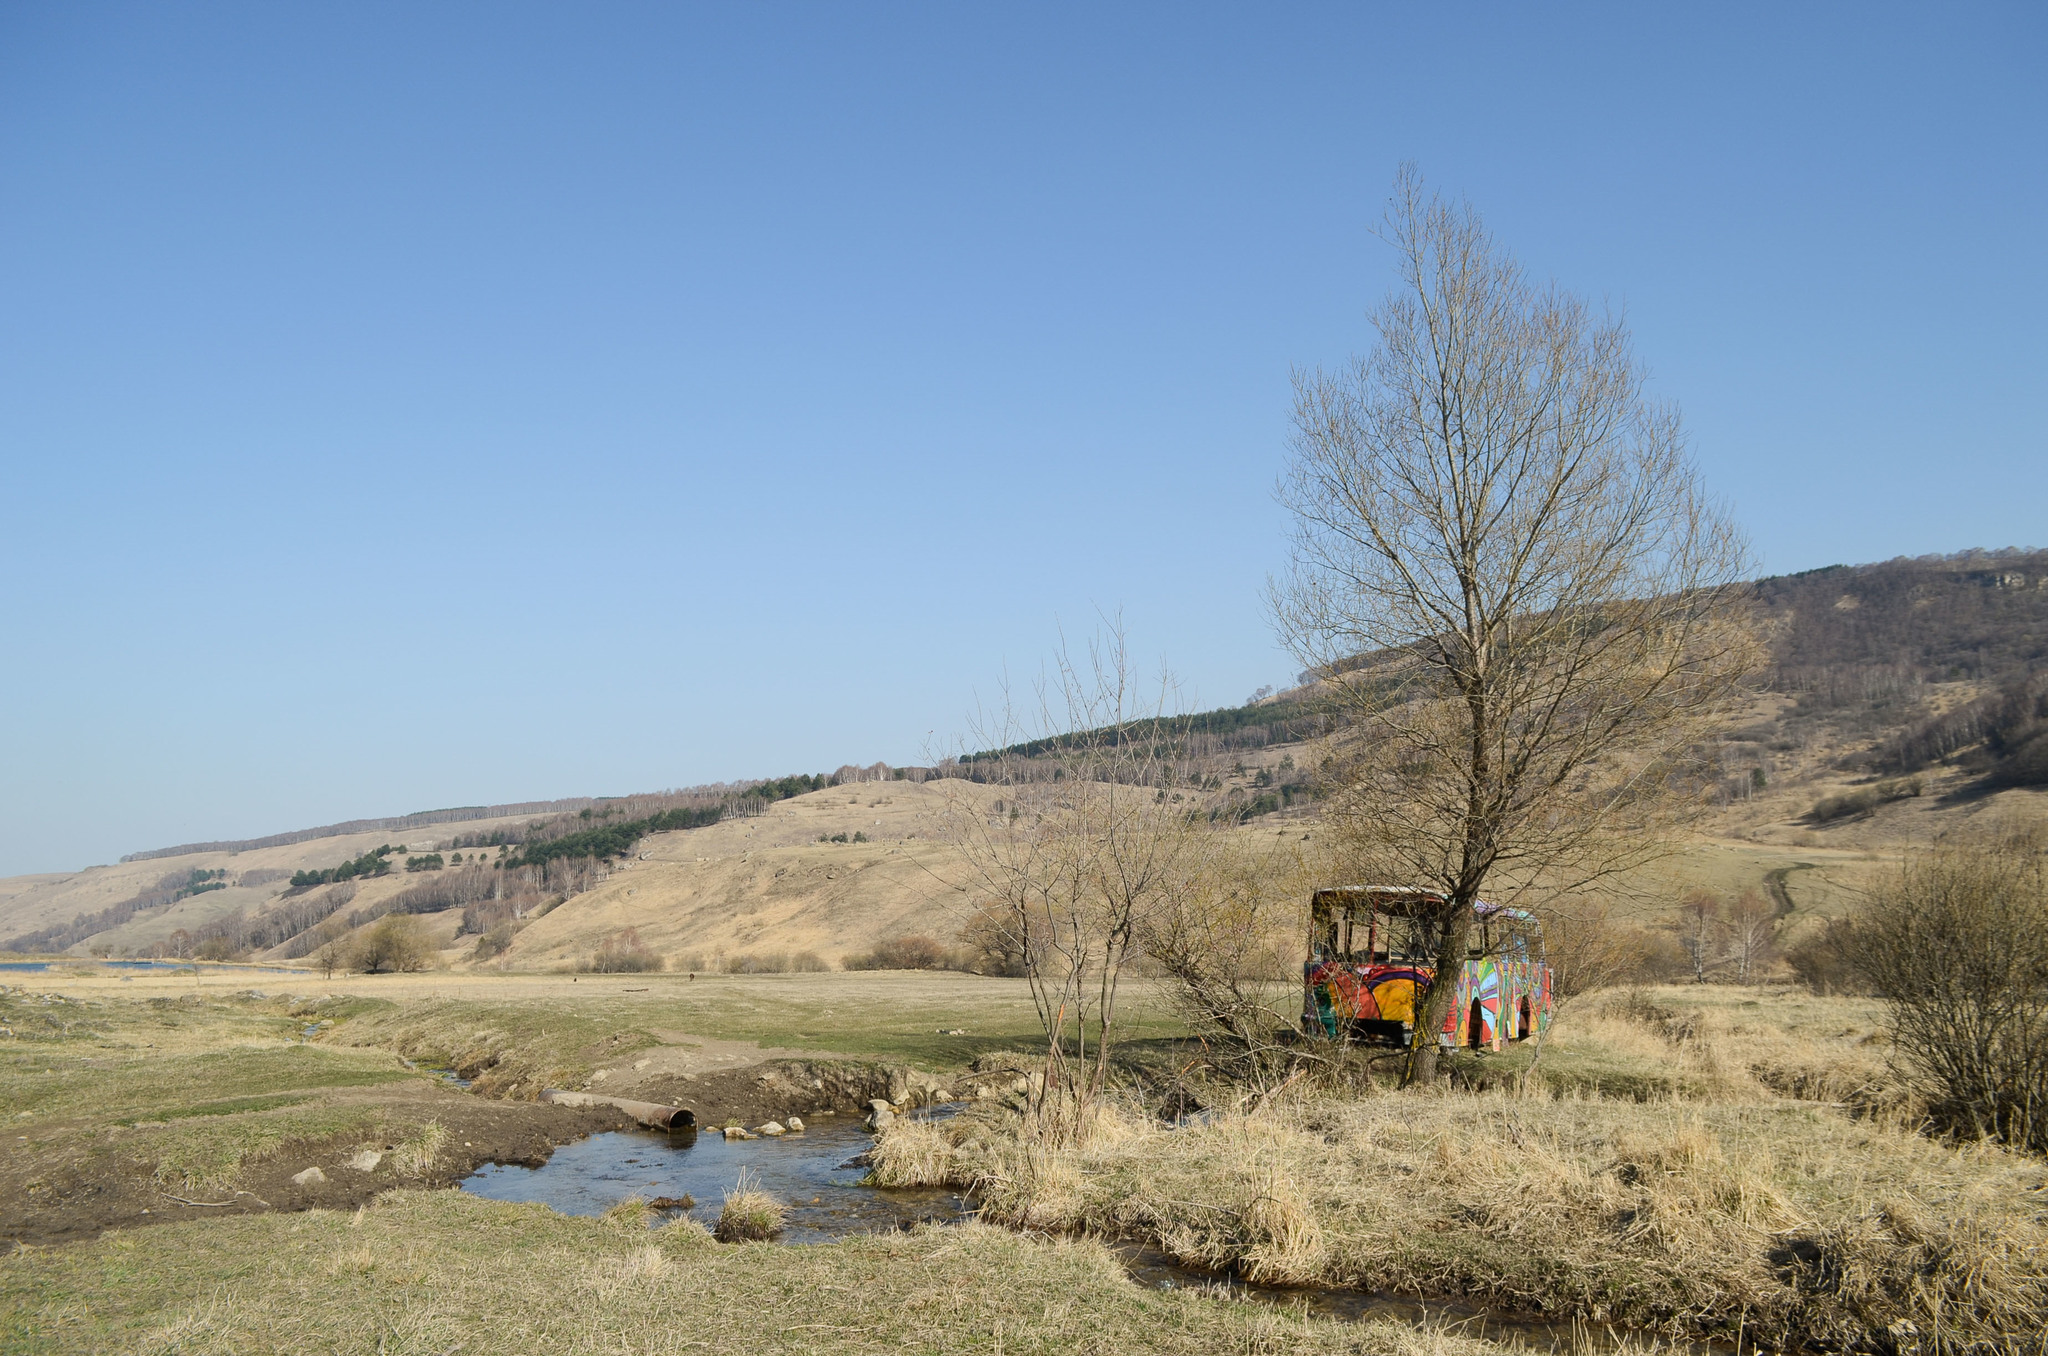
point(72, 1180)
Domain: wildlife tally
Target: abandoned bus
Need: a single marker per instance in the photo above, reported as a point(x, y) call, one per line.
point(1372, 953)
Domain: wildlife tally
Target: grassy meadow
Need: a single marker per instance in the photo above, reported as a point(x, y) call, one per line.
point(1682, 1162)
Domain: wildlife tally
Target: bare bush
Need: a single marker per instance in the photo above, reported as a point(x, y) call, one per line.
point(1588, 949)
point(991, 945)
point(1957, 944)
point(1828, 960)
point(903, 953)
point(623, 953)
point(758, 963)
point(1086, 817)
point(493, 943)
point(1229, 942)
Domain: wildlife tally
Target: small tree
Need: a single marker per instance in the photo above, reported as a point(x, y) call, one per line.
point(1078, 822)
point(1699, 917)
point(1507, 572)
point(1750, 926)
point(1957, 944)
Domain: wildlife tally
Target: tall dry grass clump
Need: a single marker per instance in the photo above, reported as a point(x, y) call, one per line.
point(749, 1214)
point(1677, 1217)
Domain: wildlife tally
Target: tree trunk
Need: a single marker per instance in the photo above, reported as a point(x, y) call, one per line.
point(1435, 1004)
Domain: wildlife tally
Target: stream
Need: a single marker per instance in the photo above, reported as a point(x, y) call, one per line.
point(814, 1173)
point(811, 1171)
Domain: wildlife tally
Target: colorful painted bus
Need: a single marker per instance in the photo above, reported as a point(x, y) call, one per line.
point(1372, 952)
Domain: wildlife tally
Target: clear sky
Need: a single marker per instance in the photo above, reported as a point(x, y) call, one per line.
point(418, 405)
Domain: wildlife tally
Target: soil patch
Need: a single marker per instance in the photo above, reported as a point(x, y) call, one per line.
point(74, 1181)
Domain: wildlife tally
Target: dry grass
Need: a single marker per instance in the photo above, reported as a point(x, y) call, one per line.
point(1715, 1203)
point(1728, 1044)
point(749, 1215)
point(425, 1273)
point(416, 1153)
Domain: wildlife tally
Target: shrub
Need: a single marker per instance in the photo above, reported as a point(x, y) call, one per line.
point(1826, 961)
point(902, 953)
point(494, 943)
point(1863, 801)
point(396, 942)
point(758, 963)
point(1957, 944)
point(809, 963)
point(1587, 949)
point(623, 953)
point(993, 942)
point(217, 949)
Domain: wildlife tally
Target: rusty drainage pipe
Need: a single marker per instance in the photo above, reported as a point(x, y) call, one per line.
point(647, 1113)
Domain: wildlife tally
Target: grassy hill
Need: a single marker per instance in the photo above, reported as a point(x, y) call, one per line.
point(1904, 699)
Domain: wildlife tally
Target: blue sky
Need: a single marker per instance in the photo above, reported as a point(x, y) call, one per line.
point(406, 406)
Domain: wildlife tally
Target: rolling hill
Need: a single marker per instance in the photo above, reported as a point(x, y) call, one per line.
point(1904, 698)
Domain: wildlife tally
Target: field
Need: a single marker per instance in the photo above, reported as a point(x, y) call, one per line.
point(1682, 1162)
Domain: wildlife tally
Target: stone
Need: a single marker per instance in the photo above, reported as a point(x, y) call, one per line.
point(642, 1063)
point(310, 1177)
point(735, 1132)
point(366, 1161)
point(771, 1129)
point(796, 1124)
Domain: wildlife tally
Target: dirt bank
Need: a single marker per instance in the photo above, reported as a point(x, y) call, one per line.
point(73, 1181)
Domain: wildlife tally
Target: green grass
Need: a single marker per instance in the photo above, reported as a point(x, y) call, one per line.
point(191, 1087)
point(208, 1155)
point(896, 1017)
point(422, 1274)
point(233, 1106)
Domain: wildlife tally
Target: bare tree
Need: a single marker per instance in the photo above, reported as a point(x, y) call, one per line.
point(1076, 822)
point(1699, 930)
point(1506, 568)
point(1751, 928)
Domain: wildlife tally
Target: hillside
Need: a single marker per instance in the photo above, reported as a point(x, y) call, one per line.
point(1904, 699)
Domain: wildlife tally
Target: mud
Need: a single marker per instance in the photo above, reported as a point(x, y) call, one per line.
point(77, 1179)
point(778, 1089)
point(74, 1181)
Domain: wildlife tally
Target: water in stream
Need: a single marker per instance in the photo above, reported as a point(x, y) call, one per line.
point(811, 1172)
